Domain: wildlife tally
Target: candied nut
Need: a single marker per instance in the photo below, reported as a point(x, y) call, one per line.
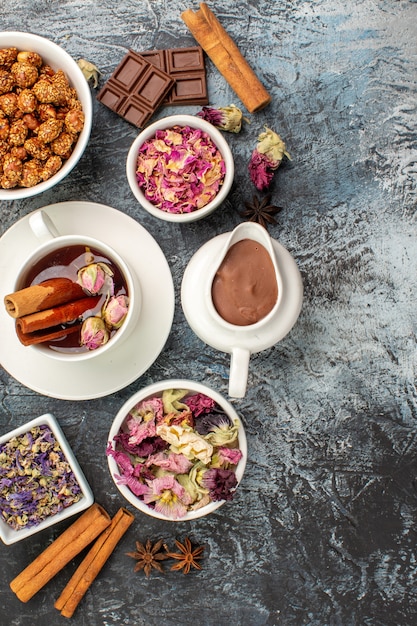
point(26, 101)
point(74, 121)
point(4, 148)
point(31, 173)
point(6, 81)
point(8, 56)
point(51, 167)
point(4, 127)
point(62, 144)
point(18, 133)
point(24, 74)
point(49, 130)
point(19, 152)
point(45, 111)
point(7, 183)
point(12, 168)
point(31, 121)
point(37, 149)
point(46, 92)
point(8, 103)
point(27, 56)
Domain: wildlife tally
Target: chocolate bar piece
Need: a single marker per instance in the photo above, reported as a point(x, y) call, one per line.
point(186, 66)
point(136, 89)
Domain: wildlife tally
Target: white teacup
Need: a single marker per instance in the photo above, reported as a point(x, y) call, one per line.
point(242, 343)
point(50, 240)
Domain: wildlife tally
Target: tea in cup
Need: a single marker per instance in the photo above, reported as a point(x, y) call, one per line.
point(243, 294)
point(74, 296)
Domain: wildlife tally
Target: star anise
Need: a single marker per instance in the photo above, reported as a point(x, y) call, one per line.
point(148, 556)
point(261, 211)
point(187, 557)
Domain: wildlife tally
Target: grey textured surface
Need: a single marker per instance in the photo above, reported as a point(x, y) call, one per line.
point(323, 527)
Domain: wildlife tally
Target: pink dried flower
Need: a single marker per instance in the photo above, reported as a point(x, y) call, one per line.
point(94, 333)
point(168, 496)
point(226, 118)
point(180, 169)
point(115, 311)
point(266, 158)
point(95, 278)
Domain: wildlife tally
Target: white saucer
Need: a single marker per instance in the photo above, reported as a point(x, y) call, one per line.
point(204, 325)
point(114, 370)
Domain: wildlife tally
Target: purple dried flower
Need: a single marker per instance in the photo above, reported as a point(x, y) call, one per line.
point(226, 118)
point(221, 483)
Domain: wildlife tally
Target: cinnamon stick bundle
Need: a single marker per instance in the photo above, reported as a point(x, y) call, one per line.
point(93, 562)
point(227, 57)
point(65, 547)
point(49, 293)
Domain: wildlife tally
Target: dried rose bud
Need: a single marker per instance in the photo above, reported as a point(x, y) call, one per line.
point(94, 333)
point(115, 311)
point(266, 158)
point(90, 71)
point(226, 118)
point(95, 278)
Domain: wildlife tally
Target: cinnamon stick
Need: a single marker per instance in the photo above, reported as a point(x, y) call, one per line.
point(93, 562)
point(65, 547)
point(47, 335)
point(226, 56)
point(57, 315)
point(45, 295)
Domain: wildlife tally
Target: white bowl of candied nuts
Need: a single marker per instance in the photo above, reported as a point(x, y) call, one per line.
point(45, 114)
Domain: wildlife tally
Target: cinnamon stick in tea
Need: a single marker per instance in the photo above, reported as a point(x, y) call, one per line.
point(227, 57)
point(93, 562)
point(46, 335)
point(65, 547)
point(45, 295)
point(57, 315)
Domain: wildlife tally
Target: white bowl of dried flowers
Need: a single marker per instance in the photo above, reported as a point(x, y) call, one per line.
point(53, 486)
point(180, 168)
point(177, 450)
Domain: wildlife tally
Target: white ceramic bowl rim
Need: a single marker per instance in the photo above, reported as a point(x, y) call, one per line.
point(156, 389)
point(168, 122)
point(57, 58)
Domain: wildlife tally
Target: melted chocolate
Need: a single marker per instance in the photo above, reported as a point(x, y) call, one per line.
point(245, 288)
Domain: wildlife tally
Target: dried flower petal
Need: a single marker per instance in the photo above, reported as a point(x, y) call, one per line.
point(180, 169)
point(36, 480)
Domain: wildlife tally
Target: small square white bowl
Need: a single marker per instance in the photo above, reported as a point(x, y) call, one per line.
point(7, 534)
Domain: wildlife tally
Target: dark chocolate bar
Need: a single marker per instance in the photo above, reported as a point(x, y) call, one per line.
point(186, 66)
point(136, 89)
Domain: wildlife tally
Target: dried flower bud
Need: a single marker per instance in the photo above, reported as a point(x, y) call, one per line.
point(226, 118)
point(95, 278)
point(90, 71)
point(94, 333)
point(266, 158)
point(115, 311)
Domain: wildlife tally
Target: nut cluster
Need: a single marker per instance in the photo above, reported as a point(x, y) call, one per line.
point(41, 118)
